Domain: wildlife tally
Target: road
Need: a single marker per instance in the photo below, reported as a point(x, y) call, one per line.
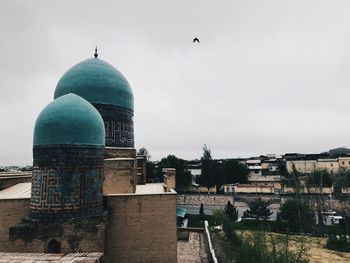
point(209, 210)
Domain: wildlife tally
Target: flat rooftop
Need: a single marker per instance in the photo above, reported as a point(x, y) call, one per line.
point(18, 191)
point(23, 190)
point(156, 188)
point(12, 175)
point(45, 257)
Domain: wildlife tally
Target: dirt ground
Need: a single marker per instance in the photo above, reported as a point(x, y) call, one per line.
point(315, 250)
point(318, 254)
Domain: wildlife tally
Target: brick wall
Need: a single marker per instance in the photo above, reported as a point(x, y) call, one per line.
point(141, 169)
point(85, 235)
point(169, 178)
point(11, 213)
point(119, 152)
point(119, 176)
point(142, 228)
point(74, 236)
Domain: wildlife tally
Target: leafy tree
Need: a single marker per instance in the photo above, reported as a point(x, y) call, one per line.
point(201, 212)
point(207, 173)
point(258, 210)
point(221, 218)
point(145, 152)
point(235, 172)
point(341, 151)
point(151, 173)
point(292, 179)
point(231, 212)
point(299, 216)
point(218, 174)
point(343, 178)
point(183, 176)
point(321, 178)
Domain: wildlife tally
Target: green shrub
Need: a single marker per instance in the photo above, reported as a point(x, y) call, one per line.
point(335, 230)
point(299, 216)
point(264, 248)
point(340, 244)
point(195, 220)
point(221, 218)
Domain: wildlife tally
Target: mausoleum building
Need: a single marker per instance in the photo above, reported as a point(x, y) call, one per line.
point(88, 191)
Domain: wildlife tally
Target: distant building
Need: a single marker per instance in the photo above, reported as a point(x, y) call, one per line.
point(302, 166)
point(254, 166)
point(312, 162)
point(195, 167)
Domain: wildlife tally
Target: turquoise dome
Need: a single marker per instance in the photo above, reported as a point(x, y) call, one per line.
point(69, 120)
point(98, 82)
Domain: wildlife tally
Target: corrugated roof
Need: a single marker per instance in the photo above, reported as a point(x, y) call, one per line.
point(180, 212)
point(18, 191)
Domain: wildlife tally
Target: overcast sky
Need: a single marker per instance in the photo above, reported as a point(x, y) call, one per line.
point(267, 77)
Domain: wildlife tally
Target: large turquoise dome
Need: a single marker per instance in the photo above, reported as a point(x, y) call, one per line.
point(98, 82)
point(69, 119)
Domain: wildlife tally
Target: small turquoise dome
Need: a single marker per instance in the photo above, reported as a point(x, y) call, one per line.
point(98, 82)
point(69, 120)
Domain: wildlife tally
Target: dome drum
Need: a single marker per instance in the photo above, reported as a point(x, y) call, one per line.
point(67, 181)
point(119, 125)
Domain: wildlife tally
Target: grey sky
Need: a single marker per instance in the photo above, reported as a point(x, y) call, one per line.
point(267, 77)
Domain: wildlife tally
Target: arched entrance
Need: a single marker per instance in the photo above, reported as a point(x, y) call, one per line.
point(53, 246)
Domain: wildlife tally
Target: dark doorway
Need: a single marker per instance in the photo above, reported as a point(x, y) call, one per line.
point(53, 246)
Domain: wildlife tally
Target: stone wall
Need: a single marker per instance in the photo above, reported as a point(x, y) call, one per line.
point(205, 199)
point(142, 228)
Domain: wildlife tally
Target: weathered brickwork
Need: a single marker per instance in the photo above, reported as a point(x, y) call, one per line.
point(118, 152)
point(67, 181)
point(74, 235)
point(119, 125)
point(41, 258)
point(11, 213)
point(141, 169)
point(142, 228)
point(120, 176)
point(169, 178)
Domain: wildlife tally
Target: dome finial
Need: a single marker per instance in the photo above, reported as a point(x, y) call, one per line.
point(95, 55)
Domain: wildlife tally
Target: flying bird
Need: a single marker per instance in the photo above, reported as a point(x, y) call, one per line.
point(195, 40)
